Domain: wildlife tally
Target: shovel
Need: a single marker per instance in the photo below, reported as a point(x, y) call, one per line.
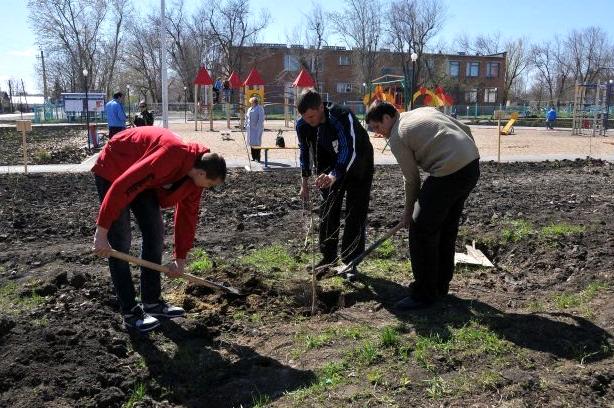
point(160, 268)
point(343, 269)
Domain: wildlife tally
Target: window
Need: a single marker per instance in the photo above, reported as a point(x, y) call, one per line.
point(473, 69)
point(492, 70)
point(344, 87)
point(291, 63)
point(490, 95)
point(344, 60)
point(471, 96)
point(454, 68)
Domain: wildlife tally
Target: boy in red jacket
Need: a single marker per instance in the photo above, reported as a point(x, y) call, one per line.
point(142, 170)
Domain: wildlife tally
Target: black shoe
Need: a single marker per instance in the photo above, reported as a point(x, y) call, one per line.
point(409, 303)
point(351, 275)
point(163, 309)
point(139, 320)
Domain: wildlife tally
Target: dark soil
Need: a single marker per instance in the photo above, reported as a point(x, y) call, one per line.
point(62, 343)
point(45, 144)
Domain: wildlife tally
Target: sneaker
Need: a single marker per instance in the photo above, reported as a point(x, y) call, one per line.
point(409, 303)
point(139, 320)
point(323, 268)
point(163, 309)
point(351, 275)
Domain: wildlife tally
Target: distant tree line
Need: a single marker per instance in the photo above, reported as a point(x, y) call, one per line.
point(120, 46)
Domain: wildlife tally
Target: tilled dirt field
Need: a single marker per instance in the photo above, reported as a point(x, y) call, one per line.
point(534, 331)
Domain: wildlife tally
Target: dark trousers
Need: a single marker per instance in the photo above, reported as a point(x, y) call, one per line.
point(356, 187)
point(433, 230)
point(115, 130)
point(255, 154)
point(146, 210)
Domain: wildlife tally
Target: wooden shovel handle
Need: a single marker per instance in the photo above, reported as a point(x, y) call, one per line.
point(163, 269)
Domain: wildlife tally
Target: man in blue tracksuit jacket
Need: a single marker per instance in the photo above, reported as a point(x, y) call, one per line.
point(334, 140)
point(116, 117)
point(550, 118)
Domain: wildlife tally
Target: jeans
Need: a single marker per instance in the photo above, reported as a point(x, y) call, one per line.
point(146, 210)
point(433, 230)
point(115, 130)
point(356, 187)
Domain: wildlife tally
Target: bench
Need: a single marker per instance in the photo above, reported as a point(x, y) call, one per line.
point(266, 152)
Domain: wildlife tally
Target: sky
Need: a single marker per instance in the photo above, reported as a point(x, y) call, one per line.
point(537, 20)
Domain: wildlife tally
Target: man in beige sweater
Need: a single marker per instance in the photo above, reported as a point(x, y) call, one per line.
point(444, 148)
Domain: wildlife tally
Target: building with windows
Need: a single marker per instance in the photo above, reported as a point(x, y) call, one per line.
point(469, 79)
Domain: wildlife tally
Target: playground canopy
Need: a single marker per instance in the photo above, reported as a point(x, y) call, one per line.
point(304, 80)
point(202, 77)
point(234, 80)
point(253, 78)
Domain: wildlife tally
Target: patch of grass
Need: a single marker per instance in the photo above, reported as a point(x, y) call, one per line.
point(469, 340)
point(365, 355)
point(387, 268)
point(375, 377)
point(328, 377)
point(535, 306)
point(12, 303)
point(327, 336)
point(386, 250)
point(437, 388)
point(138, 393)
point(576, 300)
point(260, 400)
point(201, 261)
point(517, 230)
point(561, 229)
point(270, 258)
point(489, 380)
point(389, 337)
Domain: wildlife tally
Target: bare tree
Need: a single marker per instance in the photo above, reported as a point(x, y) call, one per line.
point(543, 60)
point(77, 35)
point(360, 26)
point(316, 34)
point(231, 28)
point(589, 53)
point(517, 61)
point(413, 24)
point(143, 63)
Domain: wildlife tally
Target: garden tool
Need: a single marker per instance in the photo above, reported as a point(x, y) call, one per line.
point(160, 268)
point(347, 268)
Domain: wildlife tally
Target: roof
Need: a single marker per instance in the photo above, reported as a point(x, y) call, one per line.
point(234, 80)
point(253, 78)
point(202, 77)
point(304, 80)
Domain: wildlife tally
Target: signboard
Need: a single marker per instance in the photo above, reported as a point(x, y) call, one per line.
point(74, 102)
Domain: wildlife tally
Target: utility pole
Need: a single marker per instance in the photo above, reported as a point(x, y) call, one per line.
point(12, 107)
point(45, 90)
point(163, 65)
point(25, 96)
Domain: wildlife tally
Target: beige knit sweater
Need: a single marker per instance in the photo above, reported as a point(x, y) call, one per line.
point(433, 141)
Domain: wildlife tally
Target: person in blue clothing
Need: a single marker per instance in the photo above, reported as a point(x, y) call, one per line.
point(550, 118)
point(116, 117)
point(334, 140)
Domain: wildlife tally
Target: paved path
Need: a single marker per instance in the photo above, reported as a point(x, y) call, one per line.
point(528, 144)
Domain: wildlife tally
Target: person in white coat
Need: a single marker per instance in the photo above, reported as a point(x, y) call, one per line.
point(254, 123)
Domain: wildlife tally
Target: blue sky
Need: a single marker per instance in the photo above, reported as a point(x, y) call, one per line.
point(537, 20)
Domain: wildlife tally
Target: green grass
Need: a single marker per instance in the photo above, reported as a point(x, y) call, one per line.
point(437, 388)
point(386, 268)
point(375, 377)
point(389, 337)
point(326, 337)
point(12, 303)
point(138, 393)
point(471, 340)
point(581, 299)
point(386, 250)
point(561, 229)
point(364, 355)
point(327, 378)
point(517, 230)
point(260, 400)
point(270, 259)
point(201, 261)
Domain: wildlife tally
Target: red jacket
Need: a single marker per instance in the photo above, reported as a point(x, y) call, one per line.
point(143, 158)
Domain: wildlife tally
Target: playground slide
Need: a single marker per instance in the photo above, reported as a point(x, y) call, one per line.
point(508, 129)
